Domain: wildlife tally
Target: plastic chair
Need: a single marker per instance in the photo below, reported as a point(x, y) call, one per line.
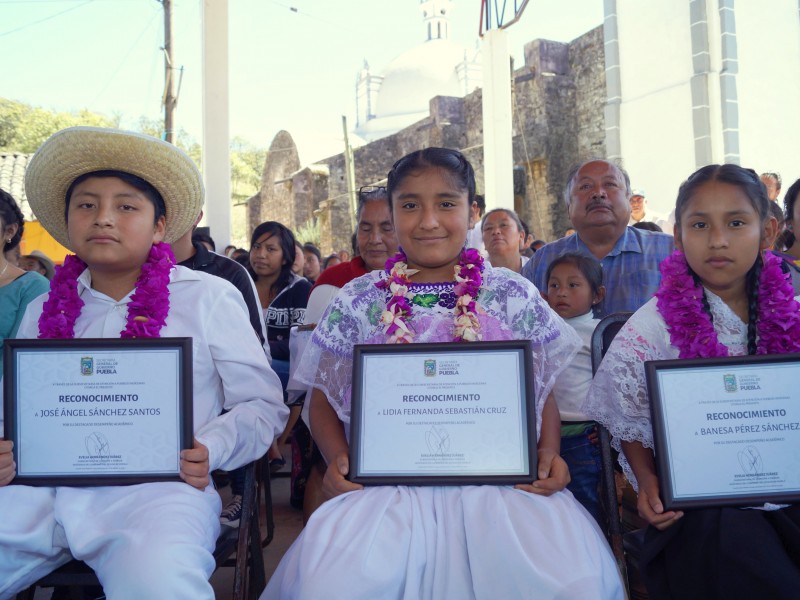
point(239, 547)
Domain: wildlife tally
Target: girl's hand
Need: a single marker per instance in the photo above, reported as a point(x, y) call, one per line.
point(553, 475)
point(8, 468)
point(334, 482)
point(650, 507)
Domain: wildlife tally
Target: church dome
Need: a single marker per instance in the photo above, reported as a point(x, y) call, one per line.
point(417, 75)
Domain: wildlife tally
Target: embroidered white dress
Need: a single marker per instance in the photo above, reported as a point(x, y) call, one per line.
point(444, 542)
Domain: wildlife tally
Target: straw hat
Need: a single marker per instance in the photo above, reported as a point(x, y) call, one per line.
point(44, 260)
point(73, 152)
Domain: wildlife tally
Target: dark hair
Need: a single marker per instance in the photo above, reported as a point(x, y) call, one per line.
point(204, 237)
point(140, 184)
point(647, 226)
point(309, 247)
point(327, 260)
point(11, 214)
point(750, 183)
point(452, 161)
point(789, 200)
point(514, 217)
point(480, 200)
point(525, 227)
point(589, 267)
point(243, 258)
point(286, 241)
point(775, 176)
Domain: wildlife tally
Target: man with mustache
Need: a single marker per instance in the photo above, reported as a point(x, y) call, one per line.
point(598, 202)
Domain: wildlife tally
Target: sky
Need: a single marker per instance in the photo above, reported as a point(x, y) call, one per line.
point(293, 63)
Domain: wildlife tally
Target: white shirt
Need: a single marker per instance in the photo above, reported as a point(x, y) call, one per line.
point(573, 382)
point(230, 371)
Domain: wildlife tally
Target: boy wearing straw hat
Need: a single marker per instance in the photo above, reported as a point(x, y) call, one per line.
point(117, 199)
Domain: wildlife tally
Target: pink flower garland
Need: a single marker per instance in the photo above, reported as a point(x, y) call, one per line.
point(147, 310)
point(680, 302)
point(399, 310)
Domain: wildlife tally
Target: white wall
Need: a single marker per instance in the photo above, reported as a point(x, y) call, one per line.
point(656, 128)
point(769, 86)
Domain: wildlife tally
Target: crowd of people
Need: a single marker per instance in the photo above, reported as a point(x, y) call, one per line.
point(275, 328)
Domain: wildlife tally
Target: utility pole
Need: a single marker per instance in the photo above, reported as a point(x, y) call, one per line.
point(350, 174)
point(170, 100)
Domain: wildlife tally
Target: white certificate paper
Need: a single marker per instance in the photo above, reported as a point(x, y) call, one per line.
point(98, 413)
point(444, 414)
point(728, 434)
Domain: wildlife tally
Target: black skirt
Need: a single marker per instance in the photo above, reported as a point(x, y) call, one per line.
point(725, 553)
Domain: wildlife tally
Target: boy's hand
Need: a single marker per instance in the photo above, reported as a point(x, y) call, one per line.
point(194, 466)
point(8, 468)
point(553, 475)
point(334, 482)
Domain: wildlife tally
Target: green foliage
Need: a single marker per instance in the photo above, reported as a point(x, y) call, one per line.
point(247, 161)
point(23, 127)
point(308, 232)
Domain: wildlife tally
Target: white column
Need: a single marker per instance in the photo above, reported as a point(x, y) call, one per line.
point(216, 154)
point(498, 160)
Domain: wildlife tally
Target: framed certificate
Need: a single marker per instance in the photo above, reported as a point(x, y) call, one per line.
point(726, 430)
point(443, 414)
point(98, 411)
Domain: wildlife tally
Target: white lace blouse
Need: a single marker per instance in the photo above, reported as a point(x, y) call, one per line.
point(618, 397)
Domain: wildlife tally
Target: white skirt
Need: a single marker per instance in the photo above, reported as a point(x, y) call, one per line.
point(448, 542)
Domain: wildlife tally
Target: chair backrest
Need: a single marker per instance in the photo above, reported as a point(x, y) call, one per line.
point(604, 334)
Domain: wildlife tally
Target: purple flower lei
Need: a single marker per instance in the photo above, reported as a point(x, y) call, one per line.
point(680, 302)
point(147, 309)
point(399, 310)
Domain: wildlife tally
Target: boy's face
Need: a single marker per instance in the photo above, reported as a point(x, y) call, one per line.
point(111, 224)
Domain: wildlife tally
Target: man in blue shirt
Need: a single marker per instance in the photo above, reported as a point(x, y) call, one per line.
point(598, 201)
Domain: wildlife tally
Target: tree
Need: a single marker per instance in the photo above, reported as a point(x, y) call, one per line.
point(23, 128)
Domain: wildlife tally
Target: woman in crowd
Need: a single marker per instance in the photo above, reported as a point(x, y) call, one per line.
point(503, 236)
point(283, 295)
point(489, 541)
point(17, 287)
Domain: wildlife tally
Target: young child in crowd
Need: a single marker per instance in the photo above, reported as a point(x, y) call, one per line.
point(574, 286)
point(117, 199)
point(430, 542)
point(739, 301)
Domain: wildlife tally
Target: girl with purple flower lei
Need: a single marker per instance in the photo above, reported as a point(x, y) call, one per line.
point(722, 293)
point(428, 542)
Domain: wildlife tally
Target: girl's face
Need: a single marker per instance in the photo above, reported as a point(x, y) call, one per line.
point(569, 292)
point(721, 235)
point(501, 235)
point(431, 217)
point(266, 256)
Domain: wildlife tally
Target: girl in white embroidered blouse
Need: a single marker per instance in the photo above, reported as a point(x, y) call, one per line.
point(722, 293)
point(488, 541)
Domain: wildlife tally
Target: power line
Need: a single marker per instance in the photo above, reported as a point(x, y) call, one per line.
point(22, 27)
point(125, 58)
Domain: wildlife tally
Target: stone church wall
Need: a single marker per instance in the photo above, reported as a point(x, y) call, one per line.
point(558, 97)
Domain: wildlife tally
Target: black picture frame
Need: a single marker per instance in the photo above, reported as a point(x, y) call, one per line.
point(523, 353)
point(182, 346)
point(664, 444)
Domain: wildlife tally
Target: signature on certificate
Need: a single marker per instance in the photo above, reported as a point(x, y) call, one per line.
point(750, 460)
point(438, 440)
point(97, 444)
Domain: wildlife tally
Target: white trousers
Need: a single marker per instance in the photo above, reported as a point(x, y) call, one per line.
point(153, 540)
